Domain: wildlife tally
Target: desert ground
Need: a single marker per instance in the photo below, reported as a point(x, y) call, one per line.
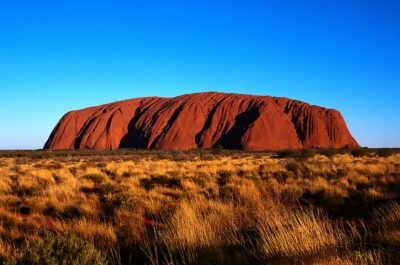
point(200, 207)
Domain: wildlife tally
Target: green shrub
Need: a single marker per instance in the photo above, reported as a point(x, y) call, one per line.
point(286, 153)
point(55, 250)
point(28, 191)
point(111, 173)
point(328, 152)
point(224, 176)
point(200, 152)
point(360, 152)
point(71, 212)
point(306, 153)
point(101, 165)
point(95, 178)
point(296, 153)
point(51, 210)
point(293, 167)
point(385, 152)
point(217, 149)
point(160, 180)
point(127, 174)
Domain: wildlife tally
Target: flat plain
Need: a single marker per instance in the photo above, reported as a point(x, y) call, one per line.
point(200, 207)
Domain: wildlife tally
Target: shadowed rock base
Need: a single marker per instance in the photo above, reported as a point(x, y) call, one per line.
point(202, 120)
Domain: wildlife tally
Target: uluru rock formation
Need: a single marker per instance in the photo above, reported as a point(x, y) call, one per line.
point(202, 120)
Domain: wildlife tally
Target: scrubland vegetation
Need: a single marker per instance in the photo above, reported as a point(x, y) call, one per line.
point(200, 207)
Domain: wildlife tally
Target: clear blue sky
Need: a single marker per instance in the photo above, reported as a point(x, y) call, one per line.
point(56, 56)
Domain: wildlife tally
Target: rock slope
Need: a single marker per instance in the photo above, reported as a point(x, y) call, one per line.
point(202, 120)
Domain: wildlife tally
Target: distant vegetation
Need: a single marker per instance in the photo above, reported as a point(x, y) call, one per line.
point(317, 206)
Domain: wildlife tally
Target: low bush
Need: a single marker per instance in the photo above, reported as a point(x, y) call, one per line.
point(385, 152)
point(296, 153)
point(160, 180)
point(71, 212)
point(287, 153)
point(57, 250)
point(95, 178)
point(224, 176)
point(360, 152)
point(293, 166)
point(217, 149)
point(328, 152)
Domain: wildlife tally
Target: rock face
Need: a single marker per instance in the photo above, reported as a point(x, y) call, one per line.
point(202, 120)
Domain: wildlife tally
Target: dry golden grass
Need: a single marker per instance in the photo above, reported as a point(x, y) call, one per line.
point(182, 208)
point(294, 233)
